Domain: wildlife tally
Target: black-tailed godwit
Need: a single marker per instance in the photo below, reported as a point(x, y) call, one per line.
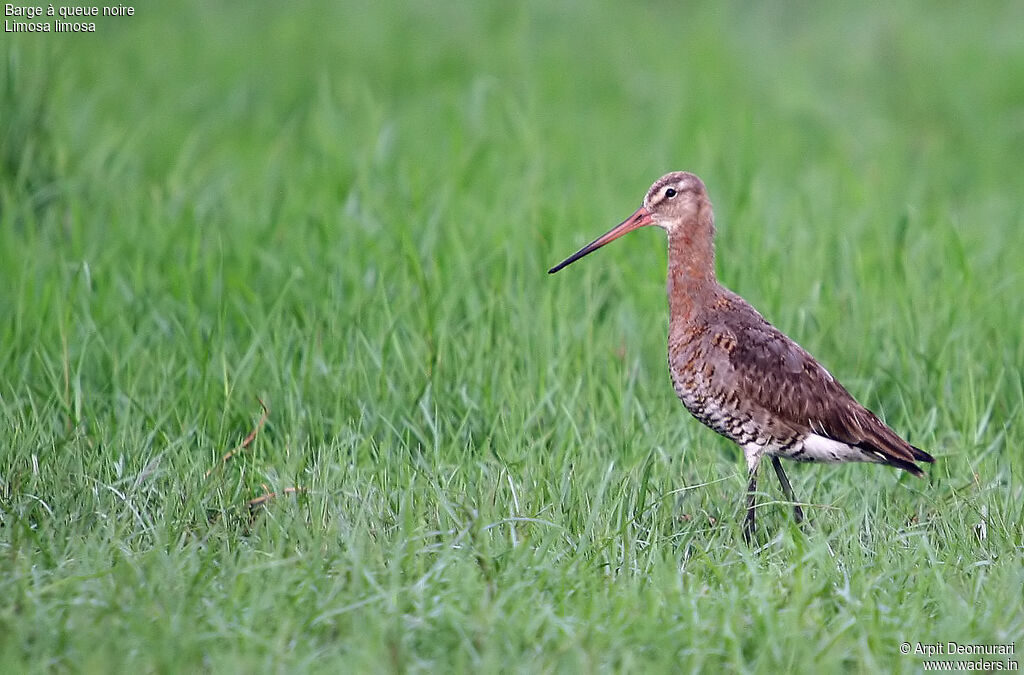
point(737, 373)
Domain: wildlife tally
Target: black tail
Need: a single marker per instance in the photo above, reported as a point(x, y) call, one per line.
point(920, 455)
point(899, 457)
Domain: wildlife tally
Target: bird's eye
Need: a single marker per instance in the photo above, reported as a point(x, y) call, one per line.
point(670, 193)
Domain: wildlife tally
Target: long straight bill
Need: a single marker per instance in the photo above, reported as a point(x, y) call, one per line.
point(639, 219)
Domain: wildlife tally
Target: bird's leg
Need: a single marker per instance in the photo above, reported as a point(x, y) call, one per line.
point(787, 489)
point(748, 523)
point(752, 453)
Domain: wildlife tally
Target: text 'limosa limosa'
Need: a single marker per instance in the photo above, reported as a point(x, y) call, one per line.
point(737, 373)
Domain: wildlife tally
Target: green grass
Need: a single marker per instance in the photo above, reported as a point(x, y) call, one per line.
point(348, 212)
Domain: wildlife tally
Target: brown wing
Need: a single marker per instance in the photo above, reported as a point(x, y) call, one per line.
point(777, 374)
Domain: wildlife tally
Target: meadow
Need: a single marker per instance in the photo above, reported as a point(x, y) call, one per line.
point(345, 212)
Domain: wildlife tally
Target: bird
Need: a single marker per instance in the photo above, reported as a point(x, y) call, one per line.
point(737, 373)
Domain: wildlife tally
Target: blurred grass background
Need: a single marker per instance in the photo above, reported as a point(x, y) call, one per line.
point(348, 210)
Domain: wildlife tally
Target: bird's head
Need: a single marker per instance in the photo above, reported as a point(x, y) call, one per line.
point(674, 201)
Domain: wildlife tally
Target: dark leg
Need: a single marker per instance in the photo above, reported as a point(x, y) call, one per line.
point(787, 489)
point(748, 523)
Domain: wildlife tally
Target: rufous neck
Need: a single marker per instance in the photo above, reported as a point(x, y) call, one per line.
point(691, 266)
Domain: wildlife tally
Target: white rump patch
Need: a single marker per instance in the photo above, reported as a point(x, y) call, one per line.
point(820, 449)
